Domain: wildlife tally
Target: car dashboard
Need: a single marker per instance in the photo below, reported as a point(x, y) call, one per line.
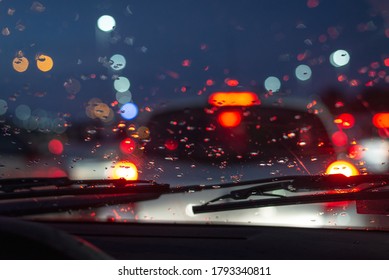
point(153, 241)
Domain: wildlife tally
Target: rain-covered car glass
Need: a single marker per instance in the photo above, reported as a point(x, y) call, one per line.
point(193, 92)
point(240, 135)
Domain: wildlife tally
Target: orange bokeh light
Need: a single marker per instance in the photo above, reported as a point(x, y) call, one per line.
point(44, 62)
point(246, 98)
point(20, 64)
point(342, 167)
point(381, 120)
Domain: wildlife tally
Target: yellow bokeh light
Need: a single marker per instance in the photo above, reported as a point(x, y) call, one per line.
point(44, 62)
point(20, 64)
point(101, 111)
point(126, 170)
point(342, 167)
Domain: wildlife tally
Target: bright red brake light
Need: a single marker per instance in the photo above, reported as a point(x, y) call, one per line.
point(345, 120)
point(127, 146)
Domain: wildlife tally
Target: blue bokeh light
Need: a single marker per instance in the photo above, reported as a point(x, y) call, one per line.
point(129, 111)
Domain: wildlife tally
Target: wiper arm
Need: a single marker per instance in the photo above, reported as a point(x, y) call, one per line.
point(323, 184)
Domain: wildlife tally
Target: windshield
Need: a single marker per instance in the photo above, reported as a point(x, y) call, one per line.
point(196, 93)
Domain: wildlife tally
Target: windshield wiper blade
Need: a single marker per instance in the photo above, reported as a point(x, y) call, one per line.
point(297, 183)
point(293, 200)
point(31, 196)
point(68, 203)
point(16, 184)
point(300, 184)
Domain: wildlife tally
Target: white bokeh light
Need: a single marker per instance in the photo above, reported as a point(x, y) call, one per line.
point(118, 62)
point(272, 84)
point(3, 107)
point(121, 84)
point(23, 112)
point(106, 23)
point(303, 72)
point(123, 97)
point(376, 154)
point(339, 58)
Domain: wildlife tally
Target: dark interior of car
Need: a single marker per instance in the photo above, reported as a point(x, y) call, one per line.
point(88, 240)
